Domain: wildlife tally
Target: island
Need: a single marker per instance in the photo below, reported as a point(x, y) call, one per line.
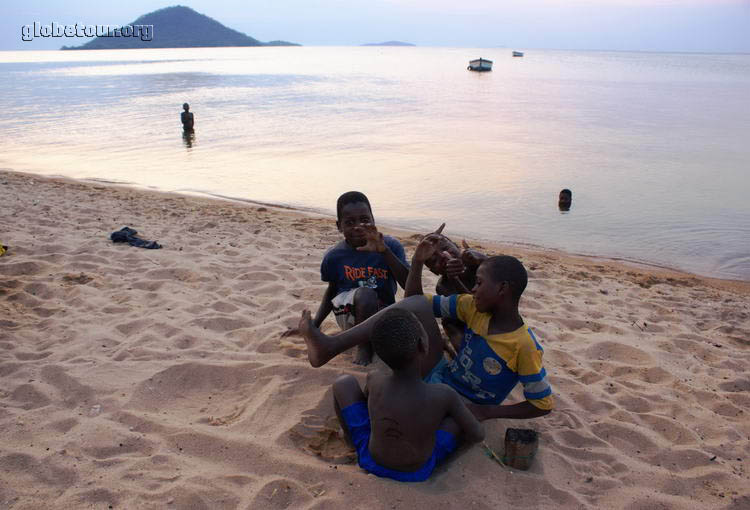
point(390, 43)
point(173, 27)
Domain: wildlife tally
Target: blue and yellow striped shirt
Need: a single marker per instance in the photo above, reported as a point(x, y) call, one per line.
point(488, 367)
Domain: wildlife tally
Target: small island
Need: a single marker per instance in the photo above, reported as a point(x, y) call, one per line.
point(174, 27)
point(390, 43)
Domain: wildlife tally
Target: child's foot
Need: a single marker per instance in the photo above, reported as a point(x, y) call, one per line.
point(317, 352)
point(364, 354)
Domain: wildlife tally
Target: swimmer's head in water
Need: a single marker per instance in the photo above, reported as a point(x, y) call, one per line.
point(565, 199)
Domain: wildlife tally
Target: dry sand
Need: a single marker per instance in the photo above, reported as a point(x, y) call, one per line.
point(139, 378)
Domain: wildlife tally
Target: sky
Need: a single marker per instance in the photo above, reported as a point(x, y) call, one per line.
point(721, 26)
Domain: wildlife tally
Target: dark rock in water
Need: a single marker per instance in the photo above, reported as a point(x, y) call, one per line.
point(173, 27)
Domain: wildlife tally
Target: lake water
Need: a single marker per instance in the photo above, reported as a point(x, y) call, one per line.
point(656, 147)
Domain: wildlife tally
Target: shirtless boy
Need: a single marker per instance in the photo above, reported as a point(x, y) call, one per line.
point(391, 439)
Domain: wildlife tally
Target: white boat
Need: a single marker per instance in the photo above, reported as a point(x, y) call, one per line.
point(480, 64)
point(518, 54)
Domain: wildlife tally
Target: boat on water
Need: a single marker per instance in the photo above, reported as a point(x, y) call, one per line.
point(518, 53)
point(480, 64)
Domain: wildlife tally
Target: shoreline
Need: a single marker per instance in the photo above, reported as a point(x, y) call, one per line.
point(406, 231)
point(138, 378)
point(523, 246)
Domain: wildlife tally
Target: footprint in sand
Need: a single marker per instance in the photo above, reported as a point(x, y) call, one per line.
point(27, 397)
point(39, 290)
point(29, 472)
point(281, 493)
point(617, 351)
point(24, 269)
point(739, 385)
point(320, 436)
point(228, 419)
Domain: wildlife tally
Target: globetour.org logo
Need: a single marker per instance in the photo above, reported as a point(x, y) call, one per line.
point(29, 32)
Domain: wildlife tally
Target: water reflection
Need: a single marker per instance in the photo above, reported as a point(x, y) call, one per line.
point(188, 138)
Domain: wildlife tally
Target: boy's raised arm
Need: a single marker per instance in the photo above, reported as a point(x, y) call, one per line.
point(425, 249)
point(472, 431)
point(414, 279)
point(376, 243)
point(400, 270)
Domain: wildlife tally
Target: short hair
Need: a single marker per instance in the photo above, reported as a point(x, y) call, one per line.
point(504, 268)
point(351, 197)
point(567, 192)
point(185, 105)
point(395, 337)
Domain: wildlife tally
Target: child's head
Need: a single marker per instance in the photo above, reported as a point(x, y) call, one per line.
point(565, 199)
point(352, 212)
point(398, 338)
point(185, 106)
point(500, 279)
point(436, 263)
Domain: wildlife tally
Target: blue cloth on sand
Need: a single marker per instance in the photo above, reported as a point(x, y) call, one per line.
point(357, 419)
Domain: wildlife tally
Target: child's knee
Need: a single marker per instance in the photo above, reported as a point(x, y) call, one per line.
point(344, 380)
point(345, 385)
point(346, 390)
point(365, 303)
point(365, 297)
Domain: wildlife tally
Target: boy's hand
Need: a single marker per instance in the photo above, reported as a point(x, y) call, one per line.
point(428, 245)
point(448, 347)
point(471, 257)
point(374, 239)
point(453, 267)
point(426, 248)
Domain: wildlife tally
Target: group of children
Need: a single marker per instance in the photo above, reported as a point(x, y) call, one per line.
point(408, 419)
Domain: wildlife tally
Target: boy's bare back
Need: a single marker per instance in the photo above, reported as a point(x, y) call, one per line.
point(405, 414)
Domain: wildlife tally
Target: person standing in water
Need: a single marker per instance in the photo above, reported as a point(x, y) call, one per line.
point(188, 121)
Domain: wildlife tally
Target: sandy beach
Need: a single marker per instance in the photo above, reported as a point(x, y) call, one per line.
point(140, 379)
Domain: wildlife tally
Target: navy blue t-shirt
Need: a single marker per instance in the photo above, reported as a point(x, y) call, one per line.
point(349, 269)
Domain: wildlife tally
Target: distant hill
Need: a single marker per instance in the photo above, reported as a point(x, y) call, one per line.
point(390, 43)
point(177, 27)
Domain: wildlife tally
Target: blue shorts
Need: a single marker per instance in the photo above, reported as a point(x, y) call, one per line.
point(357, 419)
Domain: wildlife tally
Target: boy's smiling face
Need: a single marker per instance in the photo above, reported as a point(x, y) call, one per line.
point(353, 218)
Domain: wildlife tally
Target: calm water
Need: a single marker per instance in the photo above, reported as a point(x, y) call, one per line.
point(656, 147)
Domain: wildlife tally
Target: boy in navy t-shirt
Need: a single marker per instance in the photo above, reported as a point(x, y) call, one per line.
point(361, 270)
